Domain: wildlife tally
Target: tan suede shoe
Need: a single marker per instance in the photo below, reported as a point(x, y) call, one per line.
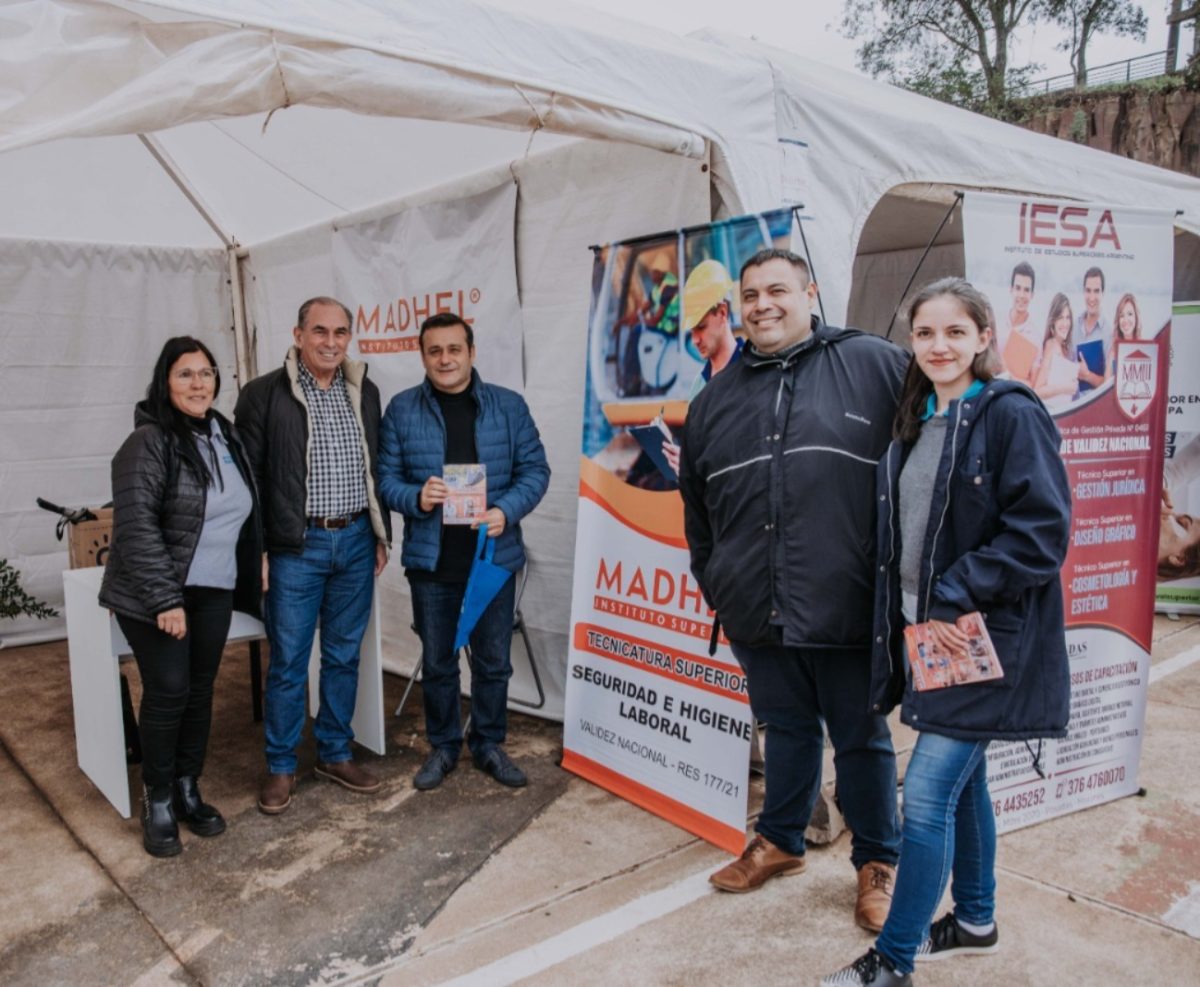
point(761, 860)
point(349, 775)
point(276, 793)
point(875, 883)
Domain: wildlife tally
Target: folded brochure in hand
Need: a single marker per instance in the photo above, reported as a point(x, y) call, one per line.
point(935, 668)
point(467, 501)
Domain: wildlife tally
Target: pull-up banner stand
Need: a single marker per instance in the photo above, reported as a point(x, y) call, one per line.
point(1179, 560)
point(649, 714)
point(1082, 300)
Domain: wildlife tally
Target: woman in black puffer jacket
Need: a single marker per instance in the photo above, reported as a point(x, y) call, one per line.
point(186, 550)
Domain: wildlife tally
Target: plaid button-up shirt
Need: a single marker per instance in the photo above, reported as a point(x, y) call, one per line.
point(337, 478)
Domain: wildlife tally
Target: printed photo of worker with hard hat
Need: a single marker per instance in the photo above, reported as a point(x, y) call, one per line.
point(665, 317)
point(707, 310)
point(706, 320)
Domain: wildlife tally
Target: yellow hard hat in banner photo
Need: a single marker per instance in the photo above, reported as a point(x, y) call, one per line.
point(707, 284)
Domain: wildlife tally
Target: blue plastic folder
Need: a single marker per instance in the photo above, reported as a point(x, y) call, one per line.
point(485, 580)
point(1092, 353)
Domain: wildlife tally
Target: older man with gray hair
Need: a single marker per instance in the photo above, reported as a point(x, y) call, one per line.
point(311, 429)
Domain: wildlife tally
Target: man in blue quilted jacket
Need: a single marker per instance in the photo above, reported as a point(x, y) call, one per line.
point(453, 417)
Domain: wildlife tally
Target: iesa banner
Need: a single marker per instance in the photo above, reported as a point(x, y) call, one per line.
point(1179, 537)
point(1082, 300)
point(457, 256)
point(649, 715)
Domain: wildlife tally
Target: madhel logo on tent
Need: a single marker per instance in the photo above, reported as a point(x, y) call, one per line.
point(1137, 376)
point(392, 328)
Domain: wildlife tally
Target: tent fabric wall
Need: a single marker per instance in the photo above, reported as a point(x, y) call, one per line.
point(166, 63)
point(82, 327)
point(879, 280)
point(569, 198)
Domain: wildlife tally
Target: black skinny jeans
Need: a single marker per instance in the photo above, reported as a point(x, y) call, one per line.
point(177, 684)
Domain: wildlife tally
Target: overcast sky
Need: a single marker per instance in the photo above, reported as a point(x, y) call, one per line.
point(811, 28)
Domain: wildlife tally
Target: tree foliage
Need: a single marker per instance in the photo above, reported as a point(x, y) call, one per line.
point(958, 50)
point(1084, 19)
point(942, 46)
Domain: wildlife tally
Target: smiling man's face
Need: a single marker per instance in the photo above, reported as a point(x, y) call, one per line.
point(777, 305)
point(323, 339)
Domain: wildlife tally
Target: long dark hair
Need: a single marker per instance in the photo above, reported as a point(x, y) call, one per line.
point(1057, 304)
point(166, 415)
point(915, 391)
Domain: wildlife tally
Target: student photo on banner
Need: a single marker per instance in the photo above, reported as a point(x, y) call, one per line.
point(1091, 284)
point(1127, 325)
point(1057, 379)
point(1018, 336)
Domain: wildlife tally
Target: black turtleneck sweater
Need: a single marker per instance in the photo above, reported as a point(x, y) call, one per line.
point(458, 540)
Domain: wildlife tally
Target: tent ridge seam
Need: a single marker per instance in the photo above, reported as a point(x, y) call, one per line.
point(391, 49)
point(287, 97)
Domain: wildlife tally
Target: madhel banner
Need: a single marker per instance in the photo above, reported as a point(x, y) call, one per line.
point(649, 714)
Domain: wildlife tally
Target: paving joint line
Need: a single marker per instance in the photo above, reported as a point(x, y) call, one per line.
point(1097, 902)
point(569, 893)
point(467, 936)
point(116, 883)
point(374, 972)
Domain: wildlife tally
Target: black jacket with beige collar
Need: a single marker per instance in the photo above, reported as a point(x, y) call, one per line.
point(778, 481)
point(273, 421)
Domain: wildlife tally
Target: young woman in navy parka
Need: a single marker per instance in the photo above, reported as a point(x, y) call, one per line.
point(974, 515)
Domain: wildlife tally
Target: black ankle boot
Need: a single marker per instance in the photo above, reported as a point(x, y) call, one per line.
point(160, 832)
point(201, 818)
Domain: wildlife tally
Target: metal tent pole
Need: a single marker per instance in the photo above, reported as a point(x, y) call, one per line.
point(241, 342)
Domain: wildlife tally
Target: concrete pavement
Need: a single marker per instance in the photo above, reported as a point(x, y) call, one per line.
point(560, 883)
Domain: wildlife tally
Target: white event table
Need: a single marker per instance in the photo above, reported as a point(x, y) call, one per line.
point(96, 644)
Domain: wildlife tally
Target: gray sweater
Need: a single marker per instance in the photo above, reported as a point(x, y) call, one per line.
point(916, 497)
point(227, 504)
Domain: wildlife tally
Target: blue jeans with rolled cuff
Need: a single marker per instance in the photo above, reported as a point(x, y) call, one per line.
point(798, 693)
point(332, 579)
point(949, 828)
point(435, 616)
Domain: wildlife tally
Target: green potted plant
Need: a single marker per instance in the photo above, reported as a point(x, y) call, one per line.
point(15, 602)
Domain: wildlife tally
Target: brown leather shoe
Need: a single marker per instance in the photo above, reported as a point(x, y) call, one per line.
point(276, 793)
point(875, 883)
point(349, 775)
point(760, 860)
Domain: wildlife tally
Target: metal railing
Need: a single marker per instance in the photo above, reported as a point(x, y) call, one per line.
point(1142, 67)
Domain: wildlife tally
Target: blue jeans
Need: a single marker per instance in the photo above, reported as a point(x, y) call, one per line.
point(794, 691)
point(332, 578)
point(948, 826)
point(435, 615)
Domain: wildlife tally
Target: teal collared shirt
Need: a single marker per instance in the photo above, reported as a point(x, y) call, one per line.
point(931, 404)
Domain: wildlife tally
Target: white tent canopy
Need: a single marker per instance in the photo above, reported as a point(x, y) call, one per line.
point(266, 127)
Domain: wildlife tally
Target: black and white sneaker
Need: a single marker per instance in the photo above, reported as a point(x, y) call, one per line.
point(947, 938)
point(869, 970)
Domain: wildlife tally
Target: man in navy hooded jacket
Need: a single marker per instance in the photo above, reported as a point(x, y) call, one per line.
point(777, 479)
point(454, 417)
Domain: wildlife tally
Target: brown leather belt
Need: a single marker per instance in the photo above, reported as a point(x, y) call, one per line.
point(335, 523)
